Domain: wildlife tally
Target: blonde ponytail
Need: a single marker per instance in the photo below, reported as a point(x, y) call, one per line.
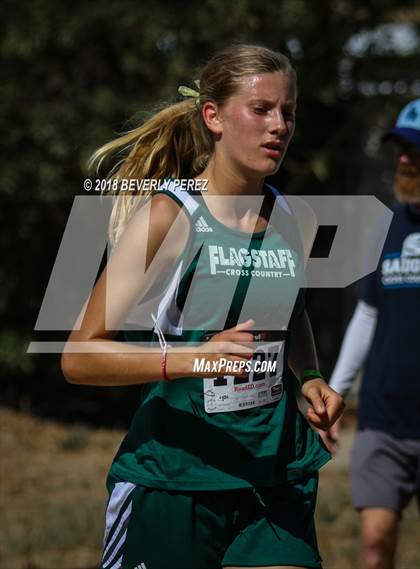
point(174, 142)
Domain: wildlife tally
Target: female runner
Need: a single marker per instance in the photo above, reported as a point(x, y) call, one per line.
point(219, 467)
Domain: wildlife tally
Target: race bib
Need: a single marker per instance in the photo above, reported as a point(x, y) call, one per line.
point(263, 385)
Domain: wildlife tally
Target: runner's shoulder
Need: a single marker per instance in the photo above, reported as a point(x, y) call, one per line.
point(165, 209)
point(166, 215)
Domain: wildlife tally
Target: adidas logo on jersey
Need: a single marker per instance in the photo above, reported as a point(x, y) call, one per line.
point(141, 566)
point(202, 226)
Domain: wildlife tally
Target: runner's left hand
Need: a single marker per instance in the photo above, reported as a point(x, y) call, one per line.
point(326, 404)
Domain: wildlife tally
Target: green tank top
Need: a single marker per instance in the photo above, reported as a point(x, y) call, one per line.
point(224, 432)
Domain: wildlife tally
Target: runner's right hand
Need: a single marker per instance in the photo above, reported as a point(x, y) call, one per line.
point(231, 345)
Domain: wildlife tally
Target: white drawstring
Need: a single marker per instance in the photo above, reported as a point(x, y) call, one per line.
point(162, 341)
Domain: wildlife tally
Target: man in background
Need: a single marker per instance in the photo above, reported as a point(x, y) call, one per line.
point(384, 335)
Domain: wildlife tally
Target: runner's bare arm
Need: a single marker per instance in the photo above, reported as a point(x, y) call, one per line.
point(326, 404)
point(302, 352)
point(150, 245)
point(133, 268)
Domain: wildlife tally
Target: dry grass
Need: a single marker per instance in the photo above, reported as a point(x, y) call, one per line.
point(53, 497)
point(338, 526)
point(53, 493)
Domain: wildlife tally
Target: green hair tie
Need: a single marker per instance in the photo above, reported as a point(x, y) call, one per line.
point(188, 92)
point(308, 374)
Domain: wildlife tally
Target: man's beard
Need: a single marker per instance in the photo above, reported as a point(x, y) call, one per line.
point(407, 184)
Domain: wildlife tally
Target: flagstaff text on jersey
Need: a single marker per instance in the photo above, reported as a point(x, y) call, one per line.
point(280, 261)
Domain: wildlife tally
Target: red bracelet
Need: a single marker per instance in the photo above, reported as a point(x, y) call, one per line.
point(163, 346)
point(164, 373)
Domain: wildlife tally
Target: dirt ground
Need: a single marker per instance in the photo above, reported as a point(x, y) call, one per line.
point(52, 499)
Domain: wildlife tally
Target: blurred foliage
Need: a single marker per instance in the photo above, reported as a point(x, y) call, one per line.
point(75, 73)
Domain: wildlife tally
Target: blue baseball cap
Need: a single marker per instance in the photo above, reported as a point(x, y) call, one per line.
point(408, 124)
